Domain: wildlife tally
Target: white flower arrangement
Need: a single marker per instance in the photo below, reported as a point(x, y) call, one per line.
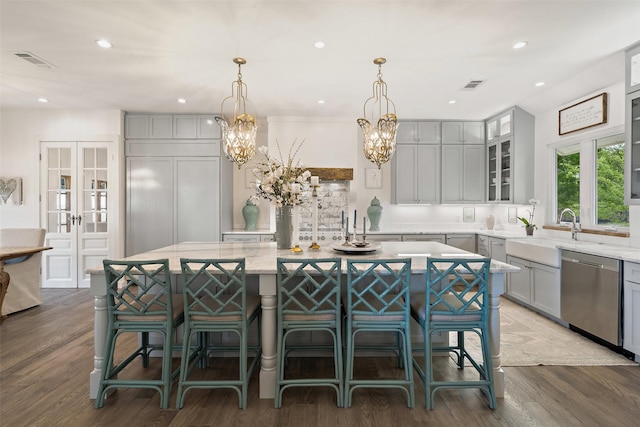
point(275, 176)
point(529, 222)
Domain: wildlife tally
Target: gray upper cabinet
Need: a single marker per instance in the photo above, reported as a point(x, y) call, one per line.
point(632, 63)
point(171, 126)
point(510, 157)
point(184, 126)
point(463, 133)
point(632, 128)
point(415, 174)
point(418, 132)
point(463, 173)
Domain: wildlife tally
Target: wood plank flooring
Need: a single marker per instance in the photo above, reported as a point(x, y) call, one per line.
point(46, 357)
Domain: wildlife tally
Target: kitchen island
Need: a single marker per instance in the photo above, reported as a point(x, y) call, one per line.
point(261, 264)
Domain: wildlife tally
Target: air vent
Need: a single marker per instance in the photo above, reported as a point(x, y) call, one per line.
point(473, 84)
point(30, 57)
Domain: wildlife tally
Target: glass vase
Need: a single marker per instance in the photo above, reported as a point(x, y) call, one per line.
point(284, 227)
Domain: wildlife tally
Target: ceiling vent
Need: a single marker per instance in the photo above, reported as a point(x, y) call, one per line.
point(473, 84)
point(30, 57)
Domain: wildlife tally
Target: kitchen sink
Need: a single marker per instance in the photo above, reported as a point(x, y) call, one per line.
point(543, 251)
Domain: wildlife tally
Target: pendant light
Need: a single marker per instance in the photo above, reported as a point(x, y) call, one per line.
point(379, 123)
point(238, 124)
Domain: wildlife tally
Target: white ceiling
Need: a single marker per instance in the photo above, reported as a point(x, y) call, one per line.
point(164, 50)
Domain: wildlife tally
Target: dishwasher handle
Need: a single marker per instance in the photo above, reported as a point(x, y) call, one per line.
point(589, 263)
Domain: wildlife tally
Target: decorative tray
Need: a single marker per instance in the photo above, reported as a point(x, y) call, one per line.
point(351, 249)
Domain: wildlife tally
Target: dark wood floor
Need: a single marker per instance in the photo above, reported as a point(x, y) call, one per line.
point(46, 357)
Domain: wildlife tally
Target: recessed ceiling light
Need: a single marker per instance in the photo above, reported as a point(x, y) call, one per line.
point(182, 100)
point(538, 84)
point(319, 44)
point(520, 45)
point(104, 43)
point(320, 101)
point(43, 100)
point(453, 101)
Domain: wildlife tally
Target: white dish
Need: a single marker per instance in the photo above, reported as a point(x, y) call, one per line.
point(372, 247)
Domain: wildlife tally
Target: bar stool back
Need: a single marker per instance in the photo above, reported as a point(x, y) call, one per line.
point(216, 300)
point(308, 301)
point(140, 299)
point(456, 299)
point(378, 301)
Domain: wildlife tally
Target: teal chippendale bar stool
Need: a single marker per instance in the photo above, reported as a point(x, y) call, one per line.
point(140, 299)
point(308, 301)
point(378, 302)
point(216, 300)
point(456, 299)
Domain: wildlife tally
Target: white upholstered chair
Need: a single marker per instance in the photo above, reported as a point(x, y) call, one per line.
point(24, 286)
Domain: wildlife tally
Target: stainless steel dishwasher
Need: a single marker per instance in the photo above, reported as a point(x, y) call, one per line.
point(591, 291)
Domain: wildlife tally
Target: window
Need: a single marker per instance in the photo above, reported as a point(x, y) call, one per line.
point(610, 207)
point(568, 179)
point(590, 180)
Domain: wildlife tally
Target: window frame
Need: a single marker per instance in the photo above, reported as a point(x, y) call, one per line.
point(588, 177)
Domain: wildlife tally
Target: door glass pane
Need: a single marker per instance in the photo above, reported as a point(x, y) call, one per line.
point(568, 179)
point(59, 186)
point(611, 209)
point(94, 191)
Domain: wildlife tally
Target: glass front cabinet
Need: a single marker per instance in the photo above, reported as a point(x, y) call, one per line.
point(632, 127)
point(510, 150)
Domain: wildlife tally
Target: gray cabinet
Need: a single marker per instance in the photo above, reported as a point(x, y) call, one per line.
point(463, 173)
point(632, 69)
point(536, 285)
point(384, 237)
point(418, 132)
point(463, 133)
point(510, 157)
point(415, 174)
point(171, 126)
point(440, 238)
point(171, 200)
point(632, 149)
point(631, 321)
point(465, 242)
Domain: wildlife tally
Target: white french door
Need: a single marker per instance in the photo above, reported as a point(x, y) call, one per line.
point(75, 206)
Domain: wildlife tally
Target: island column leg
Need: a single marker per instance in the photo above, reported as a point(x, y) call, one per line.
point(496, 289)
point(98, 288)
point(268, 362)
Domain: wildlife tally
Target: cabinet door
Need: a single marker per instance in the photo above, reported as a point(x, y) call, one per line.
point(407, 133)
point(497, 249)
point(519, 283)
point(493, 191)
point(545, 293)
point(197, 196)
point(440, 238)
point(429, 132)
point(136, 126)
point(404, 172)
point(452, 132)
point(632, 150)
point(452, 173)
point(473, 133)
point(384, 237)
point(150, 206)
point(428, 174)
point(473, 168)
point(465, 242)
point(241, 238)
point(184, 126)
point(207, 127)
point(160, 126)
point(631, 333)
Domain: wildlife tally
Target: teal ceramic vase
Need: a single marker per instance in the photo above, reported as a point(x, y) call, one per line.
point(374, 211)
point(250, 212)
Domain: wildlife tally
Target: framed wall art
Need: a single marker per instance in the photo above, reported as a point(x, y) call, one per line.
point(584, 114)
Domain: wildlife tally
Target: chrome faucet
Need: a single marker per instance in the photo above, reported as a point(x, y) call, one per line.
point(574, 227)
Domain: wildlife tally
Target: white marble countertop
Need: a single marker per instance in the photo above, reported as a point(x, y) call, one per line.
point(261, 257)
point(624, 253)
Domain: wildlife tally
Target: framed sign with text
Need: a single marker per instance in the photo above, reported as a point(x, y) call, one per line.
point(584, 114)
